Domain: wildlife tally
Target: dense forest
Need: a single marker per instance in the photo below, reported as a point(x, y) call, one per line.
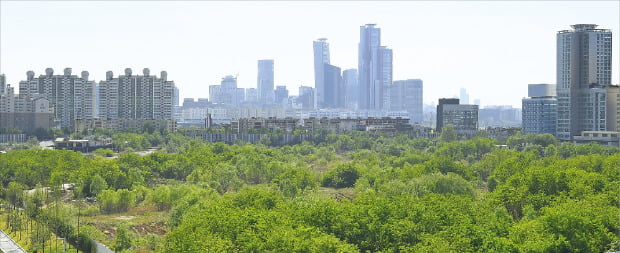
point(356, 192)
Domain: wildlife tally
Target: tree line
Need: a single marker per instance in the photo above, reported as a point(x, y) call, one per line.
point(355, 192)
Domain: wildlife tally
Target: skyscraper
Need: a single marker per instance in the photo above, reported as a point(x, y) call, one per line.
point(351, 88)
point(136, 97)
point(583, 76)
point(386, 75)
point(464, 96)
point(265, 81)
point(333, 91)
point(374, 68)
point(72, 97)
point(2, 84)
point(321, 57)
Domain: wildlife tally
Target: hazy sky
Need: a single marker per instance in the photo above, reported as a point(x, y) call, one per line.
point(493, 49)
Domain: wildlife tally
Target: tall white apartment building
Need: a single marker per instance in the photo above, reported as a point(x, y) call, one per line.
point(73, 97)
point(136, 96)
point(583, 78)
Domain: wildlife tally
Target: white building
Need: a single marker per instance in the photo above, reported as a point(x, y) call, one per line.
point(71, 96)
point(136, 97)
point(583, 75)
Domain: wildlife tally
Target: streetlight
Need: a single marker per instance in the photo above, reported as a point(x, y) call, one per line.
point(64, 249)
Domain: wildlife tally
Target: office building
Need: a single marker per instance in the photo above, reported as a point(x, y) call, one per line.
point(351, 88)
point(407, 95)
point(227, 94)
point(464, 118)
point(540, 109)
point(374, 69)
point(2, 84)
point(386, 75)
point(73, 97)
point(328, 86)
point(333, 89)
point(583, 75)
point(442, 102)
point(251, 95)
point(136, 97)
point(321, 58)
point(306, 97)
point(281, 94)
point(265, 81)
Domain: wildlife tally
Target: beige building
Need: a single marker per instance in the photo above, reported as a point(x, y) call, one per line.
point(613, 108)
point(25, 113)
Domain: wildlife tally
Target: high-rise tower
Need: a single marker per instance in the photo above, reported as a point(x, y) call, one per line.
point(583, 75)
point(265, 81)
point(132, 96)
point(374, 68)
point(321, 57)
point(72, 96)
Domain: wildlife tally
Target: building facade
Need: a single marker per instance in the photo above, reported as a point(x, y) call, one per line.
point(265, 81)
point(539, 110)
point(25, 113)
point(407, 95)
point(281, 94)
point(333, 89)
point(321, 58)
point(442, 102)
point(306, 97)
point(374, 68)
point(464, 118)
point(73, 97)
point(2, 84)
point(583, 72)
point(136, 97)
point(351, 88)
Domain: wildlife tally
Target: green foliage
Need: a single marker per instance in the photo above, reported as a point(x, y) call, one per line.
point(382, 193)
point(344, 175)
point(123, 239)
point(448, 133)
point(97, 185)
point(103, 152)
point(111, 201)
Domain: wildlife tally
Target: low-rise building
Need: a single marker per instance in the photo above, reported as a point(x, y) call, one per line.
point(605, 138)
point(124, 124)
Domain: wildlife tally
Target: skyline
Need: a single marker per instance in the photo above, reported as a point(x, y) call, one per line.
point(508, 43)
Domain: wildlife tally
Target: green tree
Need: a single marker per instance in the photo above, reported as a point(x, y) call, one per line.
point(97, 185)
point(123, 239)
point(448, 133)
point(342, 176)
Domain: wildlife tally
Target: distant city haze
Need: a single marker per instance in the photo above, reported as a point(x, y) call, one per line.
point(491, 49)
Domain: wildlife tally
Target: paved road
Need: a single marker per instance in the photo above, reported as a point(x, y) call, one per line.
point(102, 248)
point(7, 245)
